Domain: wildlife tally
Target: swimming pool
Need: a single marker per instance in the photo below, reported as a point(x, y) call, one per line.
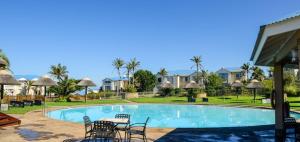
point(173, 116)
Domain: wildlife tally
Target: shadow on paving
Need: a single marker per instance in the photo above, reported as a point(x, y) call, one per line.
point(235, 134)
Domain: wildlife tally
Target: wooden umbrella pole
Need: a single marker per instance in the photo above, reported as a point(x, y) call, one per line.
point(2, 94)
point(45, 94)
point(85, 93)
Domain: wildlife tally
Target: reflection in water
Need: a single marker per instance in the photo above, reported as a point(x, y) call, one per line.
point(173, 116)
point(178, 114)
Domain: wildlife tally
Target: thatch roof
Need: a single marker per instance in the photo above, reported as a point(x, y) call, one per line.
point(166, 84)
point(254, 84)
point(237, 83)
point(192, 85)
point(44, 81)
point(86, 82)
point(6, 78)
point(3, 63)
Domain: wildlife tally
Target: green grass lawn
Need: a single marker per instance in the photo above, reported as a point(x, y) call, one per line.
point(20, 110)
point(227, 100)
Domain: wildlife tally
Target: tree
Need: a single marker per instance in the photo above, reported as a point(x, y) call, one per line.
point(145, 80)
point(28, 85)
point(118, 63)
point(257, 73)
point(246, 68)
point(58, 71)
point(5, 58)
point(134, 64)
point(198, 63)
point(128, 71)
point(163, 72)
point(213, 83)
point(65, 87)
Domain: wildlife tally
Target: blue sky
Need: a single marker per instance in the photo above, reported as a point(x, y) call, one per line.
point(87, 35)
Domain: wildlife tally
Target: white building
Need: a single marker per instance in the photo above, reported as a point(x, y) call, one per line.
point(22, 89)
point(179, 78)
point(111, 84)
point(229, 75)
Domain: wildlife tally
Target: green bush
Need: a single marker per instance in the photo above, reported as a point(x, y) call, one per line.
point(130, 88)
point(166, 92)
point(291, 90)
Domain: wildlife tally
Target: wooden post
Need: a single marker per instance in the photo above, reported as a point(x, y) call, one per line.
point(86, 88)
point(279, 101)
point(45, 91)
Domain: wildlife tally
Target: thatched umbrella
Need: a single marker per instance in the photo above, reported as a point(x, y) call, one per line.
point(44, 81)
point(3, 63)
point(254, 84)
point(166, 84)
point(237, 85)
point(6, 78)
point(192, 85)
point(86, 82)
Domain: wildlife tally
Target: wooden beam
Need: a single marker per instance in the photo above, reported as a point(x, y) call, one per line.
point(279, 100)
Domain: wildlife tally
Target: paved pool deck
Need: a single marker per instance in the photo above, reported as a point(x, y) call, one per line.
point(35, 127)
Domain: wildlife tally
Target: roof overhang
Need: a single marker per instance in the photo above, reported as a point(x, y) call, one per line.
point(277, 42)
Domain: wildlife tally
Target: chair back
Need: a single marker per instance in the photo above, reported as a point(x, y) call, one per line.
point(104, 129)
point(127, 116)
point(87, 121)
point(145, 124)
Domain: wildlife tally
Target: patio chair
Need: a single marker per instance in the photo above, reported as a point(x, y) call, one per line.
point(88, 125)
point(104, 131)
point(138, 129)
point(123, 127)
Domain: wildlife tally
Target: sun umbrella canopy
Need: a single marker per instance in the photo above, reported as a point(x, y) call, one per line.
point(44, 81)
point(6, 78)
point(254, 84)
point(86, 82)
point(192, 85)
point(166, 84)
point(237, 83)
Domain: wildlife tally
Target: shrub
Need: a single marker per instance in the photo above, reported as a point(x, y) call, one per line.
point(130, 88)
point(291, 90)
point(166, 92)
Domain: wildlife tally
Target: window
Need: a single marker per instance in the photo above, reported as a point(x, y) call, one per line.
point(107, 82)
point(238, 75)
point(159, 80)
point(186, 79)
point(223, 76)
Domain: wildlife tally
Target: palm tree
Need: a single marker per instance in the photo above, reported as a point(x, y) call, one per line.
point(58, 71)
point(163, 72)
point(134, 64)
point(198, 63)
point(5, 58)
point(257, 73)
point(28, 85)
point(128, 71)
point(246, 68)
point(118, 63)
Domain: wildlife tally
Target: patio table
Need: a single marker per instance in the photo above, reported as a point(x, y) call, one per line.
point(117, 120)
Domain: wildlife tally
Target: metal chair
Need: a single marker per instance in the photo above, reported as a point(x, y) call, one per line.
point(88, 125)
point(104, 131)
point(138, 129)
point(123, 127)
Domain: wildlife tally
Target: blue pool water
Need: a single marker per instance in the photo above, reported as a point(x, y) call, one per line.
point(173, 116)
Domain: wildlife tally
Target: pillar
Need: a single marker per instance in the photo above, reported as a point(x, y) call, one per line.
point(279, 101)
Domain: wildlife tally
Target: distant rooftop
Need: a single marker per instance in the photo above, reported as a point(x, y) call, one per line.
point(27, 77)
point(180, 72)
point(233, 69)
point(117, 78)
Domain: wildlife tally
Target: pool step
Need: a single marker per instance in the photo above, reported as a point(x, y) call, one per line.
point(6, 120)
